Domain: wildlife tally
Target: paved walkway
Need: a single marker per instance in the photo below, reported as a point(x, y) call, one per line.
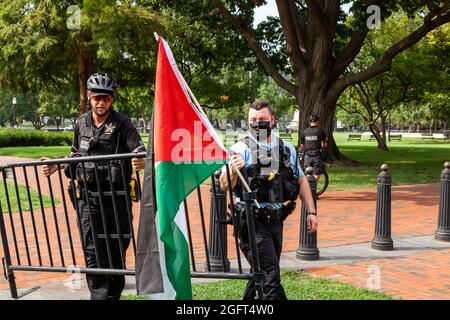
point(346, 220)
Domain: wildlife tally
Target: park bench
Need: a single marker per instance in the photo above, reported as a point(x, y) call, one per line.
point(440, 136)
point(427, 136)
point(354, 136)
point(397, 137)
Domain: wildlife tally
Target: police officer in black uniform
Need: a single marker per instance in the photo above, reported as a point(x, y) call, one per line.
point(313, 143)
point(273, 171)
point(103, 131)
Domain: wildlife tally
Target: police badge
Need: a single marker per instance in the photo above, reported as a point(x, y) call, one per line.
point(109, 128)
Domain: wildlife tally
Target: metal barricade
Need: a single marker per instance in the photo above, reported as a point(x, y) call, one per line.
point(36, 238)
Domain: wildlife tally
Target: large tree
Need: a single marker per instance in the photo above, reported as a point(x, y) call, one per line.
point(413, 73)
point(47, 46)
point(320, 40)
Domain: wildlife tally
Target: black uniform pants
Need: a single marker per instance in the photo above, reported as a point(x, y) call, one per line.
point(104, 287)
point(269, 238)
point(315, 162)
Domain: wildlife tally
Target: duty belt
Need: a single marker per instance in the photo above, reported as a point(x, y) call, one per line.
point(267, 214)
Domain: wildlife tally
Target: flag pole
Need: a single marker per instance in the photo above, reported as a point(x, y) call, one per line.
point(247, 187)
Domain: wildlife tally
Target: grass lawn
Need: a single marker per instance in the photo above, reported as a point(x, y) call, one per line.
point(297, 285)
point(23, 196)
point(36, 152)
point(411, 160)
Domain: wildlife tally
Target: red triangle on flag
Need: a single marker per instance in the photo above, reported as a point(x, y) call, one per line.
point(182, 133)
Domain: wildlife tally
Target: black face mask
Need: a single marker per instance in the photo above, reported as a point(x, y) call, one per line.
point(260, 129)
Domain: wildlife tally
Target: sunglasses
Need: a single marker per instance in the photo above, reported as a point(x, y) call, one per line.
point(107, 99)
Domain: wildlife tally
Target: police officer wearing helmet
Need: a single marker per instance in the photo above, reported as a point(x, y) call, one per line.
point(313, 143)
point(103, 131)
point(273, 171)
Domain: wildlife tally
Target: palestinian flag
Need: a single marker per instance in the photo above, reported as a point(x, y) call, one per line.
point(187, 150)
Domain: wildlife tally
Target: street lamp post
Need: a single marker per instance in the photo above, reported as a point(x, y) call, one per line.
point(14, 103)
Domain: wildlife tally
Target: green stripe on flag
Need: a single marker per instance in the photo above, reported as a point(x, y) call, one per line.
point(174, 182)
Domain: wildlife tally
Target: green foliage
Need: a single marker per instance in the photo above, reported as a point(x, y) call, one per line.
point(283, 103)
point(416, 88)
point(14, 138)
point(41, 55)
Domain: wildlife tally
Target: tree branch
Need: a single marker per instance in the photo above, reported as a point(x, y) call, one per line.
point(385, 62)
point(349, 53)
point(316, 17)
point(249, 35)
point(299, 25)
point(365, 101)
point(353, 112)
point(212, 13)
point(291, 31)
point(432, 7)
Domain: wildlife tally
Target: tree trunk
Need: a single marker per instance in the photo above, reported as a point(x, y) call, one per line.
point(37, 124)
point(85, 69)
point(383, 130)
point(144, 119)
point(376, 133)
point(312, 100)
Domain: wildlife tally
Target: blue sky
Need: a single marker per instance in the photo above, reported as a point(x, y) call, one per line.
point(270, 9)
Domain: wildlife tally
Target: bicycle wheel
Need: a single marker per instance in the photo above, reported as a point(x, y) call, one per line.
point(322, 184)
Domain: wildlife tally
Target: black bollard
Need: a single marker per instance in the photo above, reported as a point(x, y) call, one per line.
point(382, 240)
point(218, 249)
point(307, 247)
point(443, 229)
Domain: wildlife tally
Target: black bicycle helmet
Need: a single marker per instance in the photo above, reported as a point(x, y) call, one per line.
point(313, 117)
point(101, 83)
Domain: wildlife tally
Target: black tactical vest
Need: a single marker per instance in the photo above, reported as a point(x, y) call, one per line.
point(101, 141)
point(312, 139)
point(274, 184)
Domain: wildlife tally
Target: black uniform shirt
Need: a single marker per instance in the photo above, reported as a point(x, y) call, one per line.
point(116, 135)
point(312, 139)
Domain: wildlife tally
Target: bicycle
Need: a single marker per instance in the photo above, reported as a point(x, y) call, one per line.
point(322, 184)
